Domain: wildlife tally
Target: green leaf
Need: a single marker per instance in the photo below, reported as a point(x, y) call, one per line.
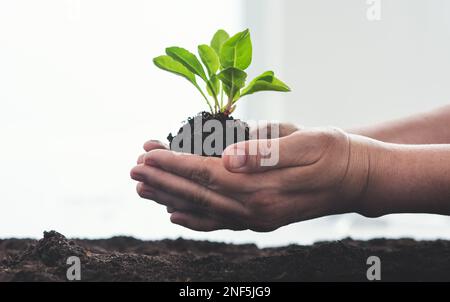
point(209, 58)
point(265, 81)
point(237, 51)
point(168, 64)
point(218, 39)
point(233, 79)
point(188, 59)
point(233, 76)
point(215, 83)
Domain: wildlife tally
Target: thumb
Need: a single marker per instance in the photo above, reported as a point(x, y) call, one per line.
point(264, 154)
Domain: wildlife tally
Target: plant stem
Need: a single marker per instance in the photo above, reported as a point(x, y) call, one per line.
point(207, 101)
point(229, 104)
point(221, 95)
point(216, 101)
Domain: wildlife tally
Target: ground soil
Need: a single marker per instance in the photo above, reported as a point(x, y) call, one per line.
point(129, 259)
point(231, 127)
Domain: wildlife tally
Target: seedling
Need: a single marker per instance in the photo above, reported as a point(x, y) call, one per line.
point(224, 80)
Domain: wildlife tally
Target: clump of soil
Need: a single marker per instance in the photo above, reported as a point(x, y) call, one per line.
point(229, 125)
point(129, 259)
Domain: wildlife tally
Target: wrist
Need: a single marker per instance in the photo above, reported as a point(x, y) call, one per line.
point(369, 161)
point(407, 179)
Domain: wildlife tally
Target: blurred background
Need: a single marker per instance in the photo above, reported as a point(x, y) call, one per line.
point(79, 95)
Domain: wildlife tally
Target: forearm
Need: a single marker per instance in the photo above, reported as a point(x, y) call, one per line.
point(408, 179)
point(425, 128)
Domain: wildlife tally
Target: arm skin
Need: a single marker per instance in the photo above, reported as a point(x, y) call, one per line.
point(321, 171)
point(431, 127)
point(407, 179)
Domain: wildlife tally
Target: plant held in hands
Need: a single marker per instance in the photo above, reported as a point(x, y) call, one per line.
point(225, 60)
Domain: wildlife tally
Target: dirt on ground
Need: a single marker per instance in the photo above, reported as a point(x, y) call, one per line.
point(129, 259)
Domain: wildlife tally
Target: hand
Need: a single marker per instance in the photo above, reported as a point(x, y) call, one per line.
point(319, 172)
point(284, 129)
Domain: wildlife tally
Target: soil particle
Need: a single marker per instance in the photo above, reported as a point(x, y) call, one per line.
point(228, 124)
point(129, 259)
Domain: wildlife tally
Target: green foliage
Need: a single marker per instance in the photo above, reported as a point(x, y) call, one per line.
point(233, 79)
point(266, 81)
point(237, 51)
point(209, 58)
point(225, 60)
point(188, 59)
point(215, 84)
point(218, 39)
point(168, 64)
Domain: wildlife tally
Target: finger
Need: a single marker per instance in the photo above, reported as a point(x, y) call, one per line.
point(198, 196)
point(164, 198)
point(175, 203)
point(273, 130)
point(195, 222)
point(154, 144)
point(151, 145)
point(206, 171)
point(297, 149)
point(140, 159)
point(170, 209)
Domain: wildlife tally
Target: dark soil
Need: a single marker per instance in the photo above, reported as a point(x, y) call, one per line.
point(129, 259)
point(233, 127)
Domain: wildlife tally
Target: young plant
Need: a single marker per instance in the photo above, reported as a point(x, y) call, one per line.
point(225, 60)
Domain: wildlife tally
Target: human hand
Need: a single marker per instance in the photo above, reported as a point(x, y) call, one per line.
point(261, 131)
point(321, 171)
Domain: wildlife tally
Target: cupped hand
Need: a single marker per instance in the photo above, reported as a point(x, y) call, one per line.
point(318, 172)
point(283, 129)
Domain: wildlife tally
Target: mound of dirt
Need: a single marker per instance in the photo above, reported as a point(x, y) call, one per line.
point(129, 259)
point(235, 128)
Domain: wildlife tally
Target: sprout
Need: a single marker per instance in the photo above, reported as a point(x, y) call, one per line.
point(225, 60)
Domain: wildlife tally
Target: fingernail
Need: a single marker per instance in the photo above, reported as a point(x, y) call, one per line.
point(137, 177)
point(174, 218)
point(148, 192)
point(148, 160)
point(236, 156)
point(237, 161)
point(170, 210)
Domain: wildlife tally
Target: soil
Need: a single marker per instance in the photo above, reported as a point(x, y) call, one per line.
point(129, 259)
point(229, 124)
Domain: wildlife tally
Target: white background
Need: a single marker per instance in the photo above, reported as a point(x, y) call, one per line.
point(79, 96)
